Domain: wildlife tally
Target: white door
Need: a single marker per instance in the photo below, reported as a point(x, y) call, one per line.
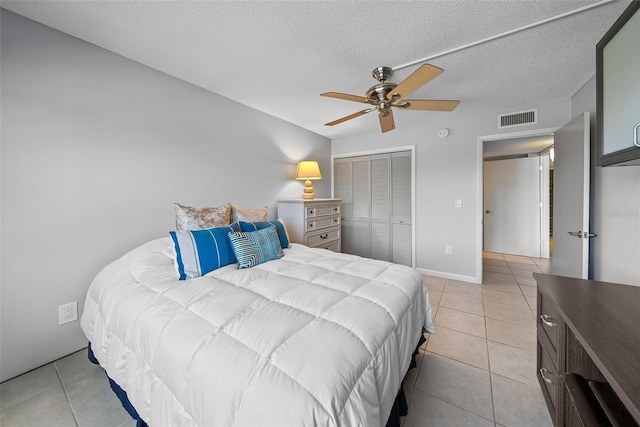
point(380, 203)
point(377, 200)
point(401, 188)
point(570, 254)
point(360, 232)
point(512, 218)
point(351, 184)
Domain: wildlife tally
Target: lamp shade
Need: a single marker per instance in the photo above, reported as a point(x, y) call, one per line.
point(308, 170)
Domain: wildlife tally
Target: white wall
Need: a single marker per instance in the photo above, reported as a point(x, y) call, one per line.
point(95, 149)
point(615, 208)
point(446, 170)
point(512, 194)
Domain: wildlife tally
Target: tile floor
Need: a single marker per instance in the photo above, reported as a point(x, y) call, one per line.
point(477, 370)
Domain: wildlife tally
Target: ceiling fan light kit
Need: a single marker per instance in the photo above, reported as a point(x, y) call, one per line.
point(385, 95)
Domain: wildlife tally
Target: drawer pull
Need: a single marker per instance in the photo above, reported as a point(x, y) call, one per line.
point(310, 211)
point(546, 319)
point(324, 236)
point(543, 372)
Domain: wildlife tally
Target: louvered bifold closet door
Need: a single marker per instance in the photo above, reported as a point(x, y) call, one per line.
point(360, 232)
point(342, 189)
point(352, 185)
point(381, 207)
point(401, 228)
point(376, 193)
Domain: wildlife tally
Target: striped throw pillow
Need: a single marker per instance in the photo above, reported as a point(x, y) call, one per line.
point(256, 247)
point(199, 252)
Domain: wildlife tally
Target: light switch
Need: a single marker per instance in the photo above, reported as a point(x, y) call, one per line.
point(458, 203)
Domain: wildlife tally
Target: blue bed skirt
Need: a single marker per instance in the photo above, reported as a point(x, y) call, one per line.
point(122, 395)
point(399, 409)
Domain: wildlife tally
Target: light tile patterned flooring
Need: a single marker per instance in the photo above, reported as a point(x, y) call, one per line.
point(478, 369)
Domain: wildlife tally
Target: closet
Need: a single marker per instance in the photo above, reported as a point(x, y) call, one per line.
point(376, 193)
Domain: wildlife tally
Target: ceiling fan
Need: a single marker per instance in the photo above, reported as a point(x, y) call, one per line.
point(385, 95)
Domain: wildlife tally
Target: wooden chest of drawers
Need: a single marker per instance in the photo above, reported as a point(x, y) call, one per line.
point(588, 347)
point(314, 223)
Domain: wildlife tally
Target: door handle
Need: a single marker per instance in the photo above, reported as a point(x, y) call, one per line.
point(543, 374)
point(582, 234)
point(547, 320)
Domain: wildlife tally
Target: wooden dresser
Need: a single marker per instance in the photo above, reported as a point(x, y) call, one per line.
point(314, 223)
point(589, 351)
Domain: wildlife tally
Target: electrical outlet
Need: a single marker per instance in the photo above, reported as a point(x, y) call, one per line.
point(448, 249)
point(67, 313)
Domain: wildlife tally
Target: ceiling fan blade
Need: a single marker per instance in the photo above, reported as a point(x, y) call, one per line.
point(345, 96)
point(386, 121)
point(431, 105)
point(418, 78)
point(349, 117)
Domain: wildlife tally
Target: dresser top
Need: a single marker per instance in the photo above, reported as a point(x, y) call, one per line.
point(605, 318)
point(308, 200)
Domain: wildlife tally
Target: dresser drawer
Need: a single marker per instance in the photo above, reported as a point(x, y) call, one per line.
point(548, 376)
point(313, 211)
point(332, 246)
point(548, 320)
point(320, 223)
point(322, 238)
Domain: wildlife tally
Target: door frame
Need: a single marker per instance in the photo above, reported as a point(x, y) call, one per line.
point(389, 150)
point(480, 180)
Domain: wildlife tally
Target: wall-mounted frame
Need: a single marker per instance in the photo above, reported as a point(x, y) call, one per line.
point(617, 89)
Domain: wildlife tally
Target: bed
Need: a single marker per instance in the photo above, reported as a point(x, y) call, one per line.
point(313, 338)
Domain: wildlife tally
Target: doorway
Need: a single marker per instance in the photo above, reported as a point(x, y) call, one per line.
point(516, 203)
point(516, 195)
point(512, 153)
point(570, 199)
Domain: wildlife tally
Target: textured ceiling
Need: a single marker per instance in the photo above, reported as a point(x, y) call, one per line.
point(279, 56)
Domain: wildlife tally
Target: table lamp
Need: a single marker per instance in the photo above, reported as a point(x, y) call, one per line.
point(307, 171)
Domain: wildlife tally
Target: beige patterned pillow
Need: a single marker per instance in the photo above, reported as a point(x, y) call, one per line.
point(188, 218)
point(248, 215)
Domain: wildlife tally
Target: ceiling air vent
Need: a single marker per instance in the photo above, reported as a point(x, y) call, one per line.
point(519, 118)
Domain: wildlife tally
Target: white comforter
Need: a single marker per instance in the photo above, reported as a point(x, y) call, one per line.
point(315, 338)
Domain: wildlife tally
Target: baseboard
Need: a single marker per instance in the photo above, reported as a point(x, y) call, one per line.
point(459, 277)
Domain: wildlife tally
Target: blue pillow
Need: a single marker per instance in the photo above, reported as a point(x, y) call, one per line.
point(256, 247)
point(254, 226)
point(199, 252)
